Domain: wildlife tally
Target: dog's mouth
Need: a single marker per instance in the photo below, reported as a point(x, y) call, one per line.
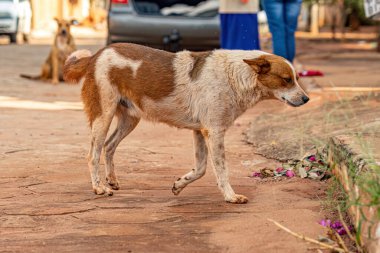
point(288, 102)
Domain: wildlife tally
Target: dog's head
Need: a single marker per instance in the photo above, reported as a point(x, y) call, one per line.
point(279, 79)
point(64, 27)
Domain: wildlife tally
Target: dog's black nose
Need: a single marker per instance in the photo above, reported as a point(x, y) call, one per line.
point(63, 32)
point(305, 99)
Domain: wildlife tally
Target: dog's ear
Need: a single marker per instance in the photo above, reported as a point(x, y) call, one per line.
point(74, 22)
point(260, 65)
point(57, 20)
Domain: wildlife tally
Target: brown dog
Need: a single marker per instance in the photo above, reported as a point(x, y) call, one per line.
point(63, 46)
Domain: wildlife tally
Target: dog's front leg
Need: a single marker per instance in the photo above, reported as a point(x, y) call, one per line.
point(216, 148)
point(55, 71)
point(200, 164)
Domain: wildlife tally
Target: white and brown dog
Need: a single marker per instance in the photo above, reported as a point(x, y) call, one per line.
point(201, 91)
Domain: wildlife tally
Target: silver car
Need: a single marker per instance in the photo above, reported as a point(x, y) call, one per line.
point(15, 17)
point(169, 24)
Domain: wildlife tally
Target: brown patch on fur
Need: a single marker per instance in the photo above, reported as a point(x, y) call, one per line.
point(204, 133)
point(199, 61)
point(74, 69)
point(91, 96)
point(273, 71)
point(261, 65)
point(156, 63)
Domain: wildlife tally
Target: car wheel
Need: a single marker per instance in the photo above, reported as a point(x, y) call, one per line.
point(13, 37)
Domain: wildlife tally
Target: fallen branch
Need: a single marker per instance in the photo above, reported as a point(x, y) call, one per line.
point(302, 237)
point(340, 241)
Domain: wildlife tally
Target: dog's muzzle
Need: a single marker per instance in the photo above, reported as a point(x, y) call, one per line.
point(304, 99)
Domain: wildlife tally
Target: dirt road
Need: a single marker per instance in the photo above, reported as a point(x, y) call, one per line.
point(46, 202)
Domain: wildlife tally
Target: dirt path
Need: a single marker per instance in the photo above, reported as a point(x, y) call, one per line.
point(46, 202)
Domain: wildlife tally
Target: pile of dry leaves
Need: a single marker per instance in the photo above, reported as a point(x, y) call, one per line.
point(310, 166)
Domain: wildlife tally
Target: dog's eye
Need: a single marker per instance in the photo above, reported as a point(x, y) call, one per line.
point(288, 80)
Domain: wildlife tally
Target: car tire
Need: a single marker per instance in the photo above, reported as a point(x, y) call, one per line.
point(13, 37)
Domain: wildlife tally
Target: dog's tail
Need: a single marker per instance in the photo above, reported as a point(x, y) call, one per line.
point(30, 77)
point(76, 66)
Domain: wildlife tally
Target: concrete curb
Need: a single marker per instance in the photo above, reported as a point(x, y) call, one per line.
point(348, 163)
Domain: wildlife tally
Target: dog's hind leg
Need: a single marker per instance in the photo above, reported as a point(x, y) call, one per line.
point(99, 131)
point(125, 124)
point(215, 141)
point(200, 164)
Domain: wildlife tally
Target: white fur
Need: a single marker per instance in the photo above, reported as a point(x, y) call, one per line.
point(79, 54)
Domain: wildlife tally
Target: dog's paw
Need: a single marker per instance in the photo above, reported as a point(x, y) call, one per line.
point(238, 199)
point(101, 189)
point(113, 183)
point(176, 189)
point(55, 81)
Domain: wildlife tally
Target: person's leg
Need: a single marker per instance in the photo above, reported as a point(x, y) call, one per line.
point(292, 10)
point(275, 14)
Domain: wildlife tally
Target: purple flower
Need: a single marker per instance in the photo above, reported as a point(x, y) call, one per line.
point(279, 169)
point(325, 223)
point(336, 225)
point(256, 174)
point(312, 158)
point(290, 173)
point(341, 231)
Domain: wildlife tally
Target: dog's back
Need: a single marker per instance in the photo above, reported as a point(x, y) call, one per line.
point(155, 84)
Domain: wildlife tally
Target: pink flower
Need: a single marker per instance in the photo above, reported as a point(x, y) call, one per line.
point(290, 173)
point(312, 158)
point(279, 169)
point(325, 223)
point(256, 174)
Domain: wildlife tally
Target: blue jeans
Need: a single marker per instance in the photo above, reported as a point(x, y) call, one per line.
point(282, 19)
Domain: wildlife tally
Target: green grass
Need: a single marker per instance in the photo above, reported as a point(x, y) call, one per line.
point(344, 117)
point(335, 197)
